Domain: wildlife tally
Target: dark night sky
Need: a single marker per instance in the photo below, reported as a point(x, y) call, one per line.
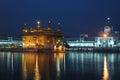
point(76, 16)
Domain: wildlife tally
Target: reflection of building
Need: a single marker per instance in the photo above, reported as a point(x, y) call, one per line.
point(105, 72)
point(37, 66)
point(38, 37)
point(10, 63)
point(10, 43)
point(107, 38)
point(82, 63)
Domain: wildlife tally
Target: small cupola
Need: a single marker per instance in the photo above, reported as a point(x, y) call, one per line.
point(38, 24)
point(25, 30)
point(49, 26)
point(58, 27)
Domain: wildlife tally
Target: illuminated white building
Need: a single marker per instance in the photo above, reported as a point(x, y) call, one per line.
point(10, 43)
point(106, 39)
point(105, 42)
point(80, 44)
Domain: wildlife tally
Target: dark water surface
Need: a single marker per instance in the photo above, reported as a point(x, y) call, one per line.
point(59, 66)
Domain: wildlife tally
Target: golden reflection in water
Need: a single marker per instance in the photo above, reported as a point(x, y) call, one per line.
point(39, 66)
point(105, 72)
point(59, 58)
point(59, 55)
point(37, 74)
point(36, 66)
point(30, 66)
point(24, 70)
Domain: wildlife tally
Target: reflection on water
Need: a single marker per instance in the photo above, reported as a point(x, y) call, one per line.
point(105, 72)
point(41, 66)
point(59, 66)
point(30, 64)
point(60, 61)
point(10, 66)
point(37, 74)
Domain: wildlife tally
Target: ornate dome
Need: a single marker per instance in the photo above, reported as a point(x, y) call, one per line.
point(25, 29)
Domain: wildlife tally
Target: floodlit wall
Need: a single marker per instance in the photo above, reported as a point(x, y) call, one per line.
point(105, 42)
point(99, 42)
point(10, 43)
point(81, 44)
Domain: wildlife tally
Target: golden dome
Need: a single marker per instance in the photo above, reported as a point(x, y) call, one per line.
point(25, 29)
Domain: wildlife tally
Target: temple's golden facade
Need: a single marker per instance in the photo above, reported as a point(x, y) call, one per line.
point(39, 37)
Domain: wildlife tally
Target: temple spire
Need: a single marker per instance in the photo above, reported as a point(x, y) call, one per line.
point(108, 22)
point(59, 27)
point(25, 25)
point(38, 24)
point(108, 27)
point(24, 30)
point(49, 25)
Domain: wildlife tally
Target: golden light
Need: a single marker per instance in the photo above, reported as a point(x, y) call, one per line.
point(25, 30)
point(60, 48)
point(59, 55)
point(104, 35)
point(54, 48)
